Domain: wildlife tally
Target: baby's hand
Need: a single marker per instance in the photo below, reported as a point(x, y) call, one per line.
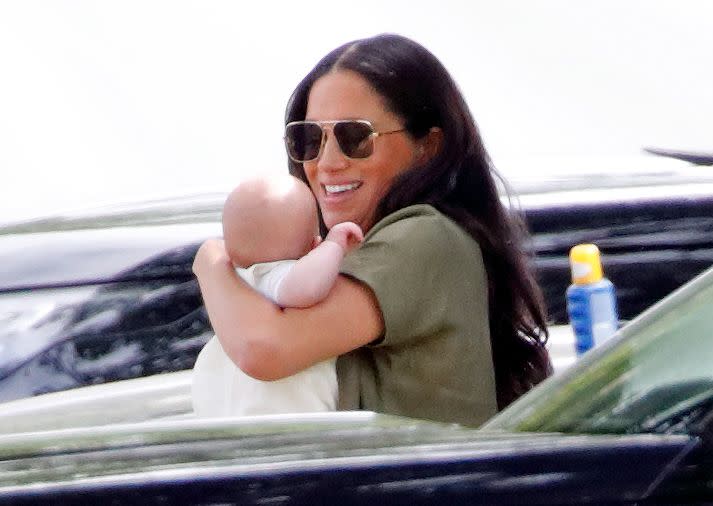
point(347, 234)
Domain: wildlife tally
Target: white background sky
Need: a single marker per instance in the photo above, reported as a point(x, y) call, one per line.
point(104, 100)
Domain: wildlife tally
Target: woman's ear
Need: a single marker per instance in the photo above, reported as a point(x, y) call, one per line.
point(430, 144)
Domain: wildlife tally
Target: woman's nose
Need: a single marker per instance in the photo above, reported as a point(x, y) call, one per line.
point(331, 157)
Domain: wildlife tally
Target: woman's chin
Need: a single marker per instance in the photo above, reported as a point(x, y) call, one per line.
point(332, 220)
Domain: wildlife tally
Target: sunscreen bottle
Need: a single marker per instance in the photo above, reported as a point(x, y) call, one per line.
point(591, 299)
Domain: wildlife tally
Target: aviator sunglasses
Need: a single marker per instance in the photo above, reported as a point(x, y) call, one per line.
point(305, 139)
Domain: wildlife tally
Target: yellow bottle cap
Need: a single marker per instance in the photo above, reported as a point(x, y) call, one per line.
point(585, 264)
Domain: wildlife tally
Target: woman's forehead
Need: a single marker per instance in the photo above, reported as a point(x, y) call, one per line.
point(344, 94)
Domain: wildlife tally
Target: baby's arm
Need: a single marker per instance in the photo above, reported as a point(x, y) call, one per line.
point(313, 275)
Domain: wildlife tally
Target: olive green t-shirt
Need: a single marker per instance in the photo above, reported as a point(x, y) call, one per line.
point(434, 360)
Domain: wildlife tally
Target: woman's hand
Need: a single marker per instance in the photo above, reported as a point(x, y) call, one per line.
point(211, 253)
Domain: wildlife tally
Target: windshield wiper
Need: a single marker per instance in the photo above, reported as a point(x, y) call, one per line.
point(694, 157)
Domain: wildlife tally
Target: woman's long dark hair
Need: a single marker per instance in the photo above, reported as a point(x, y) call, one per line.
point(460, 182)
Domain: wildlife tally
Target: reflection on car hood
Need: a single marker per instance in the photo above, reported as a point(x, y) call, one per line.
point(192, 208)
point(565, 174)
point(106, 243)
point(88, 256)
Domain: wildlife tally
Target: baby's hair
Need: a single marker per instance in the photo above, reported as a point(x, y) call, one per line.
point(268, 219)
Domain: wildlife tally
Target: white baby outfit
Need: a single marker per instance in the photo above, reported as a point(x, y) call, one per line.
point(220, 388)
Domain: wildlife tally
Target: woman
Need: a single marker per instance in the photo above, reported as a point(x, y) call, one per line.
point(436, 315)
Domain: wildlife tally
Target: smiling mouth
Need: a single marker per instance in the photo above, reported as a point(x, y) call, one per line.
point(336, 189)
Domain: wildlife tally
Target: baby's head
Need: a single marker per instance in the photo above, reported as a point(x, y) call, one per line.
point(268, 219)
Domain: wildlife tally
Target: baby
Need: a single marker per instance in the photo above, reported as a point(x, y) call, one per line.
point(270, 229)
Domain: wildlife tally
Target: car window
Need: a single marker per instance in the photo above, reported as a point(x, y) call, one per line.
point(657, 376)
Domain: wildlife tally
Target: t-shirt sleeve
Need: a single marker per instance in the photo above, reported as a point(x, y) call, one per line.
point(415, 265)
point(268, 277)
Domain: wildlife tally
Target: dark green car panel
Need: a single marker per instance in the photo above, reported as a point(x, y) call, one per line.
point(657, 376)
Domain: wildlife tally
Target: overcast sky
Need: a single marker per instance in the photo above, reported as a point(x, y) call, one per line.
point(130, 99)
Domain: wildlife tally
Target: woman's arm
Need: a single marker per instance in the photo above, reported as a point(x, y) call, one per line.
point(269, 343)
point(312, 276)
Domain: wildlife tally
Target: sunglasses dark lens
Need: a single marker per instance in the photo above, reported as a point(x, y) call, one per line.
point(354, 138)
point(303, 141)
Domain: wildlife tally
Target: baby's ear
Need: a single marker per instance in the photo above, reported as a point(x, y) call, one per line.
point(316, 241)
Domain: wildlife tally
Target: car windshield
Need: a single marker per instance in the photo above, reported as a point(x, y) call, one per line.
point(655, 377)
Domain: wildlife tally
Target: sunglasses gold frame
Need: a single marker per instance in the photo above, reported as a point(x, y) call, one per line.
point(332, 123)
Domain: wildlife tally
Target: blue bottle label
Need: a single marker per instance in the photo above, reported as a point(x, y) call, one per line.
point(592, 313)
point(604, 318)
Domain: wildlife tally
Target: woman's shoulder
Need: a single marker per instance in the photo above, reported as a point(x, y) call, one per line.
point(420, 222)
point(415, 212)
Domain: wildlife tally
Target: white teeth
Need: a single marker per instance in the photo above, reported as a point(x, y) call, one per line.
point(339, 188)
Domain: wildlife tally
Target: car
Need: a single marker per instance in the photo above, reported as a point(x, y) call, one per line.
point(108, 294)
point(626, 425)
point(102, 296)
point(653, 223)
